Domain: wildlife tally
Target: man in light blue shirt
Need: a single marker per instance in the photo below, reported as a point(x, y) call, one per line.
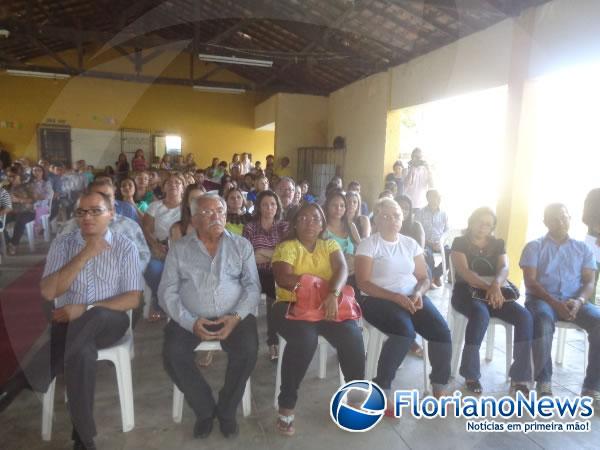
point(435, 224)
point(210, 289)
point(90, 266)
point(559, 279)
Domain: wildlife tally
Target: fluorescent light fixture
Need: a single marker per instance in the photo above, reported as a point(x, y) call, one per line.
point(219, 90)
point(235, 60)
point(34, 74)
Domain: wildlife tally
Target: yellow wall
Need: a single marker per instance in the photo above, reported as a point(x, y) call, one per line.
point(301, 121)
point(210, 124)
point(265, 113)
point(358, 112)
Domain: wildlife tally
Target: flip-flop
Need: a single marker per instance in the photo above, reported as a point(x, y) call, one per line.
point(474, 386)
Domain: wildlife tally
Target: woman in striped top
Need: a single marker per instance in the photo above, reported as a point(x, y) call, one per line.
point(264, 232)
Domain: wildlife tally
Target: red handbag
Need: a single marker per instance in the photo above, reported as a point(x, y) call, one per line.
point(310, 294)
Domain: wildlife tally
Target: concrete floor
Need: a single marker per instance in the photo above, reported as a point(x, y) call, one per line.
point(154, 428)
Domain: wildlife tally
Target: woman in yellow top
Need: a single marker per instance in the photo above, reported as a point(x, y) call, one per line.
point(304, 252)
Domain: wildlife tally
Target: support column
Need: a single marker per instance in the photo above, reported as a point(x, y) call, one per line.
point(513, 202)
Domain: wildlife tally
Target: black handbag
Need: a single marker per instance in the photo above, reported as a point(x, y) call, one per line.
point(485, 269)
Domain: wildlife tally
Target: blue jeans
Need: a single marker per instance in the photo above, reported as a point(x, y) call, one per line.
point(401, 328)
point(544, 319)
point(478, 314)
point(152, 276)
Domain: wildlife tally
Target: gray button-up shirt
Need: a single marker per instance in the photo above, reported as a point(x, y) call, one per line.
point(194, 284)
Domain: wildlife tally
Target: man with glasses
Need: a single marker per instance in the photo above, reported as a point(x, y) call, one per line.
point(559, 277)
point(285, 189)
point(210, 289)
point(90, 266)
point(120, 223)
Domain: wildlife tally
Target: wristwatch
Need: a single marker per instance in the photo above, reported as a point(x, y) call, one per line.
point(336, 292)
point(581, 299)
point(236, 315)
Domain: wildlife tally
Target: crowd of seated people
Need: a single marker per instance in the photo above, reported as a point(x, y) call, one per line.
point(209, 241)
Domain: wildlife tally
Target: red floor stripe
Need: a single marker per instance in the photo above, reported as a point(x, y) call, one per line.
point(22, 319)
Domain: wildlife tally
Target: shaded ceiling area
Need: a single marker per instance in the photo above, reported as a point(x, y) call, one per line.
point(316, 46)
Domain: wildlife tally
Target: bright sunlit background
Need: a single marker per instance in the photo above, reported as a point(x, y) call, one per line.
point(566, 143)
point(462, 139)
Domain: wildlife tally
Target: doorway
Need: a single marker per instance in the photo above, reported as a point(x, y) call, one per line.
point(54, 144)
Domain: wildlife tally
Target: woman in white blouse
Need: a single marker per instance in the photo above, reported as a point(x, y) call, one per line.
point(157, 222)
point(391, 273)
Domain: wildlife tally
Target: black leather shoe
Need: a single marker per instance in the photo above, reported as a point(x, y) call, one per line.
point(78, 444)
point(229, 428)
point(202, 428)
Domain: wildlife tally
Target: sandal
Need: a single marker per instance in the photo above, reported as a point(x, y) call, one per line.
point(11, 249)
point(273, 352)
point(285, 425)
point(154, 316)
point(520, 387)
point(416, 350)
point(474, 386)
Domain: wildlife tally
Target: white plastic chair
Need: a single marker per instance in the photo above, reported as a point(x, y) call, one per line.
point(446, 239)
point(374, 345)
point(120, 355)
point(29, 229)
point(458, 325)
point(147, 301)
point(562, 327)
point(322, 345)
point(178, 395)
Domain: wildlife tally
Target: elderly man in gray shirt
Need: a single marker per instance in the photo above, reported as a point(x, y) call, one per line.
point(210, 289)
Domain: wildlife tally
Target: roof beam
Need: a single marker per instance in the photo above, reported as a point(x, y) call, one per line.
point(121, 76)
point(356, 7)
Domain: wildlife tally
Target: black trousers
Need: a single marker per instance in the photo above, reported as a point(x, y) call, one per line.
point(20, 219)
point(267, 283)
point(73, 349)
point(178, 356)
point(302, 339)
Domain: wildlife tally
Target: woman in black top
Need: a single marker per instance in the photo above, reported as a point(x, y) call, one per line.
point(480, 292)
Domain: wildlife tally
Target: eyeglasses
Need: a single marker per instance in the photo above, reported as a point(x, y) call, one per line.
point(310, 219)
point(210, 212)
point(80, 212)
point(389, 217)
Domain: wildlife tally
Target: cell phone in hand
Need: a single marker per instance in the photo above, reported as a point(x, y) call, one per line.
point(214, 327)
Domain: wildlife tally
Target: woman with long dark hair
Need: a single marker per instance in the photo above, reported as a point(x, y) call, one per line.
point(339, 229)
point(237, 216)
point(184, 225)
point(265, 231)
point(354, 215)
point(481, 267)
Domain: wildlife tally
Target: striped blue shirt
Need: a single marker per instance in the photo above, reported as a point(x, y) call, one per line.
point(194, 284)
point(112, 272)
